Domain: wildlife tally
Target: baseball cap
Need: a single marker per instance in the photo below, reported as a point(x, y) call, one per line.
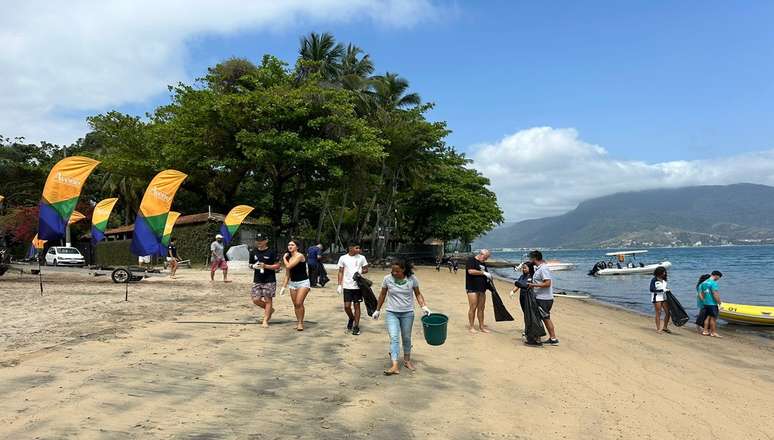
point(261, 237)
point(218, 236)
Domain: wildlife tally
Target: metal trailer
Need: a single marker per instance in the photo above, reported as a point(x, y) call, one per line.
point(119, 274)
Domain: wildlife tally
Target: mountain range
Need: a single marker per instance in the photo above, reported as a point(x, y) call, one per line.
point(707, 215)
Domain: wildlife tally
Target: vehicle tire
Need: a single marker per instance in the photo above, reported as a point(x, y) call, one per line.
point(121, 276)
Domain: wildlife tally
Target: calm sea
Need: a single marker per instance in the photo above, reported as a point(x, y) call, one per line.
point(748, 275)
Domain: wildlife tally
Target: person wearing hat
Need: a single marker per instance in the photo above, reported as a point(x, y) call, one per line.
point(264, 261)
point(218, 259)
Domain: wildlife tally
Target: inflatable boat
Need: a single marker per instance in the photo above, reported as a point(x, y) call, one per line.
point(747, 314)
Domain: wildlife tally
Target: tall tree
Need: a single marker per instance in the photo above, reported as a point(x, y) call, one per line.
point(320, 53)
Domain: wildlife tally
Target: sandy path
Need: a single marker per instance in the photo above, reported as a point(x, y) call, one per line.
point(187, 360)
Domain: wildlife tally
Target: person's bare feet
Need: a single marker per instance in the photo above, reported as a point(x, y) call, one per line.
point(409, 365)
point(265, 324)
point(300, 327)
point(715, 335)
point(472, 330)
point(484, 329)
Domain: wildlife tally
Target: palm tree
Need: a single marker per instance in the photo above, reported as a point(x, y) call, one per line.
point(323, 52)
point(388, 91)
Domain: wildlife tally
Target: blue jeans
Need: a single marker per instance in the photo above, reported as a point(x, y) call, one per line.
point(399, 327)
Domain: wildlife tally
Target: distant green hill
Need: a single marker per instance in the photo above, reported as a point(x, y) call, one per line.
point(729, 214)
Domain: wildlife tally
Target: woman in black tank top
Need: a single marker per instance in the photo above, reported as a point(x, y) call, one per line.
point(297, 280)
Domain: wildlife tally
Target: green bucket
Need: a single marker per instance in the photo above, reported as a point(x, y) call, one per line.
point(434, 327)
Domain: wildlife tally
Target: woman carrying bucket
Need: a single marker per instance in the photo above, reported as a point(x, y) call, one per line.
point(399, 289)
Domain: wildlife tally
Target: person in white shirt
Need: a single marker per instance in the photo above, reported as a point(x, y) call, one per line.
point(658, 289)
point(350, 264)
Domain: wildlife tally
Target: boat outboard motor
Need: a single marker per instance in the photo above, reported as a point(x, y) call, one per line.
point(597, 267)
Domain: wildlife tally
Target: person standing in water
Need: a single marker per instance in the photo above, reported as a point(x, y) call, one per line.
point(218, 259)
point(658, 290)
point(476, 278)
point(399, 289)
point(297, 280)
point(710, 296)
point(350, 264)
point(265, 264)
point(543, 285)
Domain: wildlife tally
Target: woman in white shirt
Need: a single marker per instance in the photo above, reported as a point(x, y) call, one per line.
point(399, 289)
point(658, 290)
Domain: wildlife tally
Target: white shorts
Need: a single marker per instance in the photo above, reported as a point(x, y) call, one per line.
point(295, 285)
point(658, 297)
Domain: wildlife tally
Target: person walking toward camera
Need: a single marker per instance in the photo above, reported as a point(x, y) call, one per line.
point(543, 286)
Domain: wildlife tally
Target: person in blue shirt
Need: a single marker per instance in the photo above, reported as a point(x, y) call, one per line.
point(312, 261)
point(702, 316)
point(710, 297)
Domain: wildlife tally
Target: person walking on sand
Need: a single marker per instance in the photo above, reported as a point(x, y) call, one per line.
point(172, 257)
point(476, 277)
point(658, 290)
point(297, 280)
point(265, 264)
point(702, 315)
point(218, 259)
point(349, 264)
point(313, 261)
point(399, 289)
point(521, 287)
point(543, 286)
point(710, 296)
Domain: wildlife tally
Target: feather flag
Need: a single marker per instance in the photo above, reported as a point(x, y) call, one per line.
point(61, 193)
point(154, 210)
point(36, 246)
point(99, 219)
point(75, 217)
point(171, 219)
point(232, 221)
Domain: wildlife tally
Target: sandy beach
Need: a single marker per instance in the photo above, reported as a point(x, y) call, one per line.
point(186, 359)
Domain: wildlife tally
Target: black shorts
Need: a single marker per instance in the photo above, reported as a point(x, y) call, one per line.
point(546, 305)
point(353, 296)
point(712, 311)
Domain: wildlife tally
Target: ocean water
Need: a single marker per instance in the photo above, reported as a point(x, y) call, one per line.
point(748, 275)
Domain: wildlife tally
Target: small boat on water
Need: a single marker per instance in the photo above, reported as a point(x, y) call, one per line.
point(747, 314)
point(624, 267)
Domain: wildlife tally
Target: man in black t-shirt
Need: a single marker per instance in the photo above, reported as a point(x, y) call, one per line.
point(476, 280)
point(265, 263)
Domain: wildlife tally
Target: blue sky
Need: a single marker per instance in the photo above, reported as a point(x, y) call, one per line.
point(583, 98)
point(647, 80)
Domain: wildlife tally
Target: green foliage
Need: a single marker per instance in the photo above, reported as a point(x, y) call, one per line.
point(324, 148)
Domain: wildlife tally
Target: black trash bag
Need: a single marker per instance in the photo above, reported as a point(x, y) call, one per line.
point(500, 312)
point(676, 310)
point(364, 284)
point(322, 274)
point(533, 322)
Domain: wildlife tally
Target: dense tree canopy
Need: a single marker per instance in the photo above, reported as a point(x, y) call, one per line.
point(322, 149)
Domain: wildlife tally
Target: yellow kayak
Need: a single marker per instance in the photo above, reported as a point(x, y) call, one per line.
point(747, 314)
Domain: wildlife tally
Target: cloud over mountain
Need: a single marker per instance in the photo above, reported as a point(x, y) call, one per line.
point(544, 171)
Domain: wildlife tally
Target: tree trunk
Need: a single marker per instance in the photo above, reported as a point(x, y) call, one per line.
point(324, 209)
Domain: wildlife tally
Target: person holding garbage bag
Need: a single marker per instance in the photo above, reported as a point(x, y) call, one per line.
point(476, 280)
point(398, 291)
point(533, 323)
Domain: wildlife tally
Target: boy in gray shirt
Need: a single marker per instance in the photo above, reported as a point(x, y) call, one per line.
point(543, 286)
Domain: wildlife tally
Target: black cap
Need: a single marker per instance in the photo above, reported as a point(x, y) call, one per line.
point(717, 273)
point(261, 237)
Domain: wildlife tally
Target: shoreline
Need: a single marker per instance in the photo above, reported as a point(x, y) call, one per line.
point(187, 358)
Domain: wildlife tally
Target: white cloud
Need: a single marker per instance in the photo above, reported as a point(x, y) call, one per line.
point(545, 171)
point(57, 58)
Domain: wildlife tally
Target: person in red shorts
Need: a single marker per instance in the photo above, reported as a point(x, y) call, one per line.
point(217, 250)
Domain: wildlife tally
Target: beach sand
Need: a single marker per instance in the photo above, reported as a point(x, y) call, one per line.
point(186, 359)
